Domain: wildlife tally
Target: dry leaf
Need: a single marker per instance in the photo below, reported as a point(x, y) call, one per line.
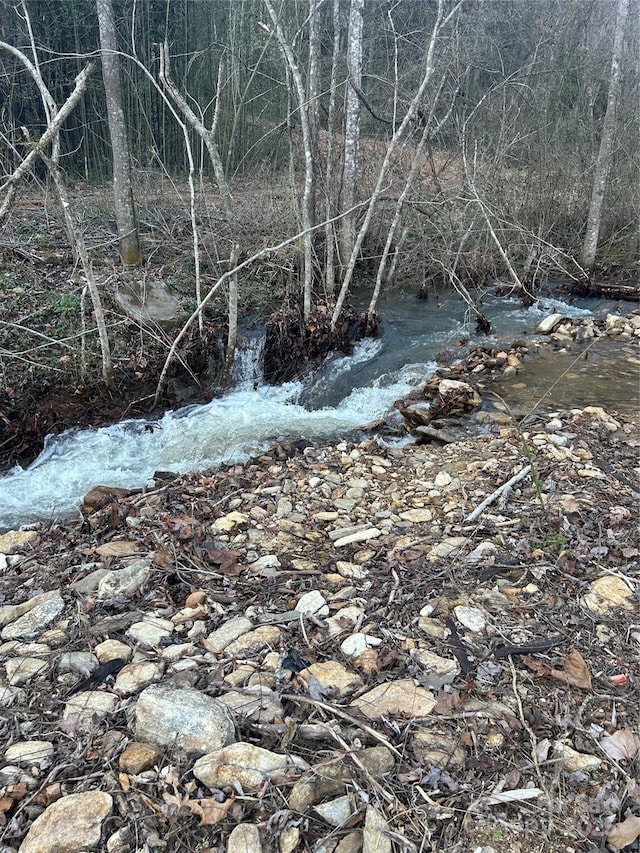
point(367, 662)
point(209, 810)
point(576, 670)
point(569, 504)
point(621, 744)
point(575, 673)
point(625, 833)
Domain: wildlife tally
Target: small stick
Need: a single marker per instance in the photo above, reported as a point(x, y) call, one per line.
point(503, 488)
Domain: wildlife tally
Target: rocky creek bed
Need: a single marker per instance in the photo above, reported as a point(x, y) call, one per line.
point(336, 648)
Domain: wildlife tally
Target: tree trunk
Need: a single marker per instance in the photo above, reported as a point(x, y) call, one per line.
point(605, 154)
point(351, 129)
point(307, 200)
point(122, 193)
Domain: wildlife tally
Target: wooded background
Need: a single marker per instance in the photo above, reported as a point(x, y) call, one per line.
point(455, 140)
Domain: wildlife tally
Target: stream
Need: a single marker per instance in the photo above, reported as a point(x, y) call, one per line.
point(343, 394)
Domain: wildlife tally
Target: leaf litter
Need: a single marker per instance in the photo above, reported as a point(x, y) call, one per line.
point(495, 705)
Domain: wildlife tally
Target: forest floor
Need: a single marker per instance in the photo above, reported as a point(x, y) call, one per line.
point(324, 649)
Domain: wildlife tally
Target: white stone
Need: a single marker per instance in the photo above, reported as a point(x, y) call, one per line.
point(228, 632)
point(83, 709)
point(335, 812)
point(125, 582)
point(22, 669)
point(150, 631)
point(313, 602)
point(169, 715)
point(358, 643)
point(69, 825)
point(135, 676)
point(471, 618)
point(35, 620)
point(38, 752)
point(247, 765)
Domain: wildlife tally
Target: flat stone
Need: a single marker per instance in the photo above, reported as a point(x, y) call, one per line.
point(223, 636)
point(437, 749)
point(125, 582)
point(138, 757)
point(256, 702)
point(335, 812)
point(357, 643)
point(133, 677)
point(255, 641)
point(350, 843)
point(471, 618)
point(312, 602)
point(334, 677)
point(112, 649)
point(250, 766)
point(346, 619)
point(548, 324)
point(359, 536)
point(70, 825)
point(351, 571)
point(609, 593)
point(417, 516)
point(150, 632)
point(401, 698)
point(375, 836)
point(35, 620)
point(446, 548)
point(169, 715)
point(244, 838)
point(82, 663)
point(377, 760)
point(228, 522)
point(572, 760)
point(38, 752)
point(22, 669)
point(82, 710)
point(439, 670)
point(16, 539)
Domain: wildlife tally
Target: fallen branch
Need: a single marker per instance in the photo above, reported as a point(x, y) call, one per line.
point(500, 490)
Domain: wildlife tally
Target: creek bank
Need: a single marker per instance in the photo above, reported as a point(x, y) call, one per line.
point(341, 623)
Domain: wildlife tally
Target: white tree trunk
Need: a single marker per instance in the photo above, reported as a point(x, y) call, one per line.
point(122, 192)
point(307, 199)
point(607, 139)
point(351, 128)
point(393, 144)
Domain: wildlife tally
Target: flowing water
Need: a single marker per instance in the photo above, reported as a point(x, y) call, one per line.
point(343, 394)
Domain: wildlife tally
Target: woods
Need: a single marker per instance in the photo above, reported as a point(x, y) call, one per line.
point(423, 144)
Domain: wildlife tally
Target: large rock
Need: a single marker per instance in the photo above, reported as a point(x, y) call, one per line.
point(152, 302)
point(40, 611)
point(69, 825)
point(250, 766)
point(401, 698)
point(170, 715)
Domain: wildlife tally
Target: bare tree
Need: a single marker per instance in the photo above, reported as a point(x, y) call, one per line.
point(122, 191)
point(351, 128)
point(208, 137)
point(398, 135)
point(607, 139)
point(55, 118)
point(303, 111)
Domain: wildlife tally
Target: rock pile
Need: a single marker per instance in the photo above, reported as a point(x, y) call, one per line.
point(340, 648)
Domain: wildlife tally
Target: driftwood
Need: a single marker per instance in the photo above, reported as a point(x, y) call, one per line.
point(503, 488)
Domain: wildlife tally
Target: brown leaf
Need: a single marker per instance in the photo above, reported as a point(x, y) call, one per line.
point(209, 810)
point(622, 744)
point(367, 662)
point(163, 558)
point(226, 560)
point(625, 833)
point(447, 703)
point(576, 671)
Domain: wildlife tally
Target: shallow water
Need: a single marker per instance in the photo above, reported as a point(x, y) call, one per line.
point(344, 394)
